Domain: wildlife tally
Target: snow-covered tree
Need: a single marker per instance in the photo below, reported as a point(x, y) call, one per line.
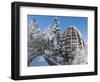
point(36, 41)
point(56, 31)
point(81, 57)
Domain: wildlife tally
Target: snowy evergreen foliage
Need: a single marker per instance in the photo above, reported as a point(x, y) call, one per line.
point(81, 57)
point(52, 44)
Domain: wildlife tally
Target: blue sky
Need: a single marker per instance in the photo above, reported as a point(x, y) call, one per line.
point(44, 21)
